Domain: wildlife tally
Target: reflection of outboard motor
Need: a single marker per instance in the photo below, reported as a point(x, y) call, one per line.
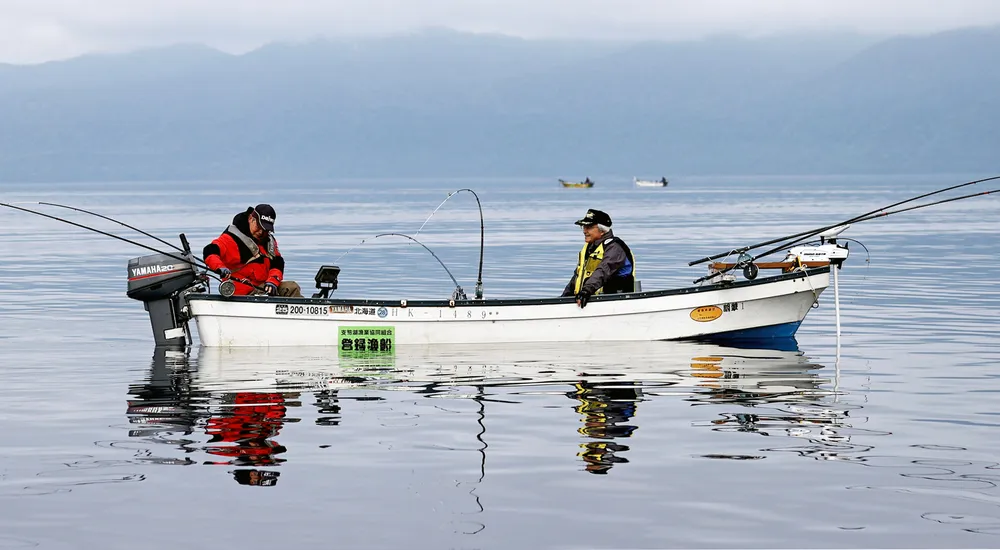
point(160, 281)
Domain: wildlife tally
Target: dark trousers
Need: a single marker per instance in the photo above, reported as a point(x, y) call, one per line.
point(289, 289)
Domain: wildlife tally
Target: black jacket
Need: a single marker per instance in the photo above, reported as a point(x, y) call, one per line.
point(616, 255)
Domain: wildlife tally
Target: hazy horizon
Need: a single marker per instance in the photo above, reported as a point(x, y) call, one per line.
point(35, 31)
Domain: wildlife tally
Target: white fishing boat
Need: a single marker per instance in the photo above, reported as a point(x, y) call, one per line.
point(662, 182)
point(720, 309)
point(174, 289)
point(763, 308)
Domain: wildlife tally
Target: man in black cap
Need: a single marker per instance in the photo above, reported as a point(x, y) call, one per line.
point(247, 253)
point(606, 264)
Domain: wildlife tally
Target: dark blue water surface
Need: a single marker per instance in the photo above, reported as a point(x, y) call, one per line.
point(107, 444)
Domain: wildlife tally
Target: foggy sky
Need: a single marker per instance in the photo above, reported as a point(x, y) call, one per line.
point(33, 31)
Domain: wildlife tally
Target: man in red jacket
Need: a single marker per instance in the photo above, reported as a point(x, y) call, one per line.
point(247, 252)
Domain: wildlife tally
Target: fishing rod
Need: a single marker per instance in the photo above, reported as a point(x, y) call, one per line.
point(186, 250)
point(482, 235)
point(788, 244)
point(482, 242)
point(458, 288)
point(855, 219)
point(154, 237)
point(870, 216)
point(942, 201)
point(188, 258)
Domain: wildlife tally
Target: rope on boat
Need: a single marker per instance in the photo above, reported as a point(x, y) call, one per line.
point(802, 269)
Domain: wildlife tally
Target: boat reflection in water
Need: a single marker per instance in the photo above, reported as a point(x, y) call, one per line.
point(232, 405)
point(239, 427)
point(776, 397)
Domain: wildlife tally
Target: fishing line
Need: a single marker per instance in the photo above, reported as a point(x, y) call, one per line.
point(458, 287)
point(482, 241)
point(482, 234)
point(337, 260)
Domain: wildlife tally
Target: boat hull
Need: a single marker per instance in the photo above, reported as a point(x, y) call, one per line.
point(772, 306)
point(649, 183)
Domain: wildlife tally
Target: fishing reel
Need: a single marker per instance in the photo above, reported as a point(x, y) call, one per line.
point(750, 269)
point(227, 288)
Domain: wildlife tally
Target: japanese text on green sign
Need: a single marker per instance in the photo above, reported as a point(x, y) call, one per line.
point(366, 340)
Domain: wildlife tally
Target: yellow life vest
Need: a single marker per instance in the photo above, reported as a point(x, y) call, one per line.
point(588, 265)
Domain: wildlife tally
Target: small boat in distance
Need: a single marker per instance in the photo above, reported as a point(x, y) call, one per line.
point(662, 182)
point(584, 183)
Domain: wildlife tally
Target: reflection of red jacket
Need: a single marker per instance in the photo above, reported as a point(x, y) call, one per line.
point(254, 416)
point(253, 419)
point(247, 258)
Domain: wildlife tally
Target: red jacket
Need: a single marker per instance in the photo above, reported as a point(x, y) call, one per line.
point(246, 257)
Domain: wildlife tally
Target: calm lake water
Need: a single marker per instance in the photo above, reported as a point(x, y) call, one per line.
point(896, 444)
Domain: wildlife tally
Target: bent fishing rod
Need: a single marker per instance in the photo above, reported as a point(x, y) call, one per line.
point(855, 219)
point(482, 235)
point(189, 259)
point(458, 287)
point(482, 243)
point(870, 216)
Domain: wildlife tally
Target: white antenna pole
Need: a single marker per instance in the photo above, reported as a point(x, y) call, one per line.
point(836, 305)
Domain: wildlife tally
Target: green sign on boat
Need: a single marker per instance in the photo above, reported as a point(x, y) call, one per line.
point(367, 341)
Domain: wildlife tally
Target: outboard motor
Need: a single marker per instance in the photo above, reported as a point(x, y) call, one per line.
point(160, 282)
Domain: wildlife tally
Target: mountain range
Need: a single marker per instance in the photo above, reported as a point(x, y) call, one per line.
point(440, 103)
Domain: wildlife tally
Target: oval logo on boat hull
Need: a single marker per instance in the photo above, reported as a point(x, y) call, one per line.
point(705, 314)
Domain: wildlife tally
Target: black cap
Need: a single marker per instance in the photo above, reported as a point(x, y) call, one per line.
point(265, 215)
point(595, 216)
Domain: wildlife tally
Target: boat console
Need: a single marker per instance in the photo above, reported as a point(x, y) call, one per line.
point(326, 280)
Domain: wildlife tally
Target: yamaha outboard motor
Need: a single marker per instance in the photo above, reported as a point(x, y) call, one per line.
point(161, 281)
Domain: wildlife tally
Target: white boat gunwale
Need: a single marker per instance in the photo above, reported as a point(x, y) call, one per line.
point(804, 273)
